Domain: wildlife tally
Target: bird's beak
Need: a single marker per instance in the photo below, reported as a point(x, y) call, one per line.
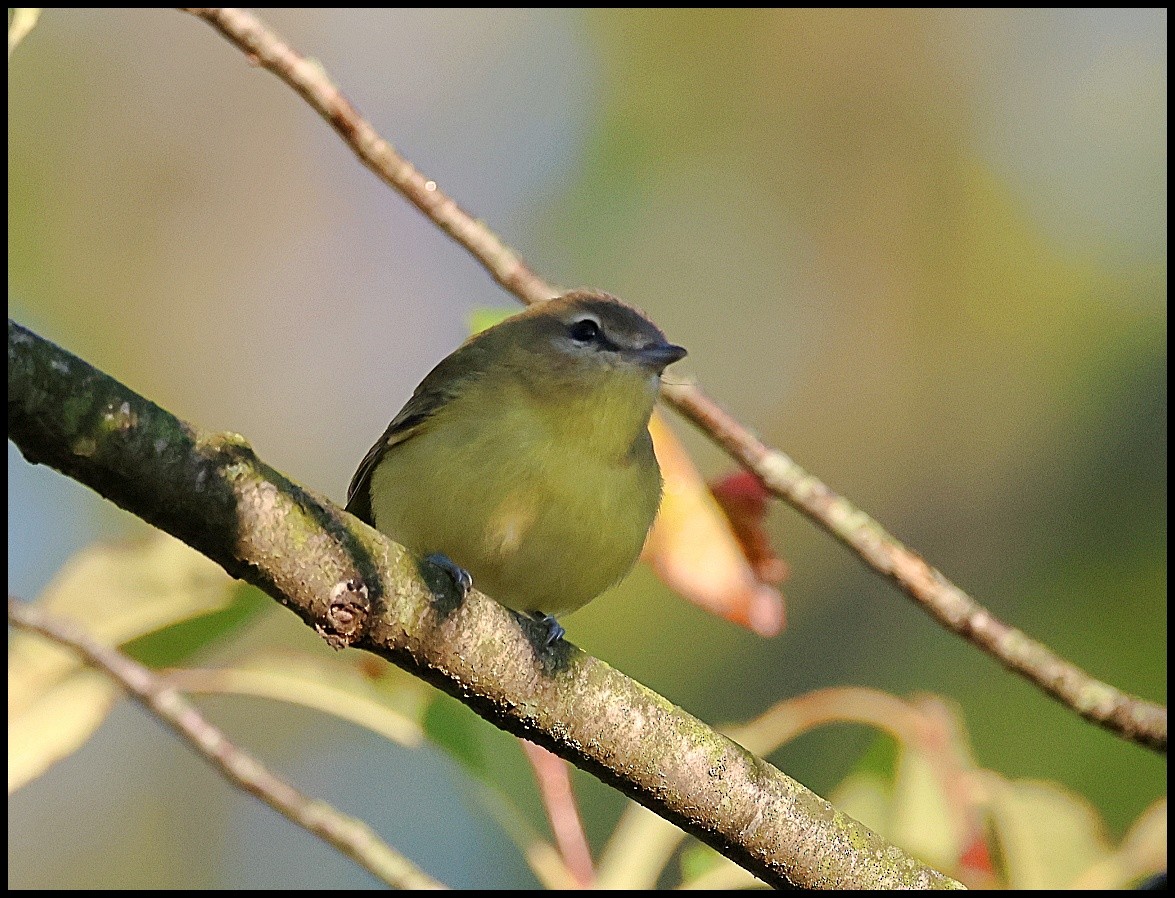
point(660, 355)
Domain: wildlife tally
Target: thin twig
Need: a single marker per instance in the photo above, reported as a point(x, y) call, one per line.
point(350, 836)
point(553, 776)
point(1124, 714)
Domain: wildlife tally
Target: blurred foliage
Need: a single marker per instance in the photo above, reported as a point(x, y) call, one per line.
point(922, 251)
point(921, 789)
point(118, 594)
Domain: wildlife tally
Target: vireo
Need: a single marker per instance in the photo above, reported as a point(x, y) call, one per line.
point(524, 461)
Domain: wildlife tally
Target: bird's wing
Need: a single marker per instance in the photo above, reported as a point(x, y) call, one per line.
point(441, 384)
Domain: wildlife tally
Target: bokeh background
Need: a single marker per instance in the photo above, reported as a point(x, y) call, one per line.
point(923, 252)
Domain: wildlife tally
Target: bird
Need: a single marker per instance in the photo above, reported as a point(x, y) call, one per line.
point(523, 461)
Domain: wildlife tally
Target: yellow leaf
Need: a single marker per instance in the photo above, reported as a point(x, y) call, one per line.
point(330, 685)
point(922, 821)
point(866, 797)
point(57, 724)
point(1047, 835)
point(115, 593)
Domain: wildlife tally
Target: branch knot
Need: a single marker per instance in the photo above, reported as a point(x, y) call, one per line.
point(347, 614)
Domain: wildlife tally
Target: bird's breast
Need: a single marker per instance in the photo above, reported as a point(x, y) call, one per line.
point(542, 515)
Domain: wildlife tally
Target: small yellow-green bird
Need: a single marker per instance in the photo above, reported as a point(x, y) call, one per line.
point(523, 461)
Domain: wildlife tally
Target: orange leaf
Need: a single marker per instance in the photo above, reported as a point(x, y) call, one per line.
point(694, 549)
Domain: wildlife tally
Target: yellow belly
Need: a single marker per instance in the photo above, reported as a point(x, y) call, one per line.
point(541, 525)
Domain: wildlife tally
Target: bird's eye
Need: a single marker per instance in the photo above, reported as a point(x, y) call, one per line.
point(586, 330)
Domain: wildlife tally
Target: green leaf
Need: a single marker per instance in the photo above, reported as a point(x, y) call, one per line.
point(880, 758)
point(698, 859)
point(178, 643)
point(454, 728)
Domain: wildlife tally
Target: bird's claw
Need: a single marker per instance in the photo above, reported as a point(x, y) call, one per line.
point(461, 578)
point(555, 631)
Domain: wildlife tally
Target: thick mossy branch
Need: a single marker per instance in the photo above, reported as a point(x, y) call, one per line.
point(357, 588)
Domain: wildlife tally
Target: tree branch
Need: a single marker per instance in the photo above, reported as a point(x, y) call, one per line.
point(352, 837)
point(1119, 712)
point(357, 588)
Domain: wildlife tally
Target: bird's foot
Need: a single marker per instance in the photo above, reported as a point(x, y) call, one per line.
point(461, 578)
point(555, 631)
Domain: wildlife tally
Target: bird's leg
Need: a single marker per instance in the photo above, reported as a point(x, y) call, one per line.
point(554, 630)
point(461, 578)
